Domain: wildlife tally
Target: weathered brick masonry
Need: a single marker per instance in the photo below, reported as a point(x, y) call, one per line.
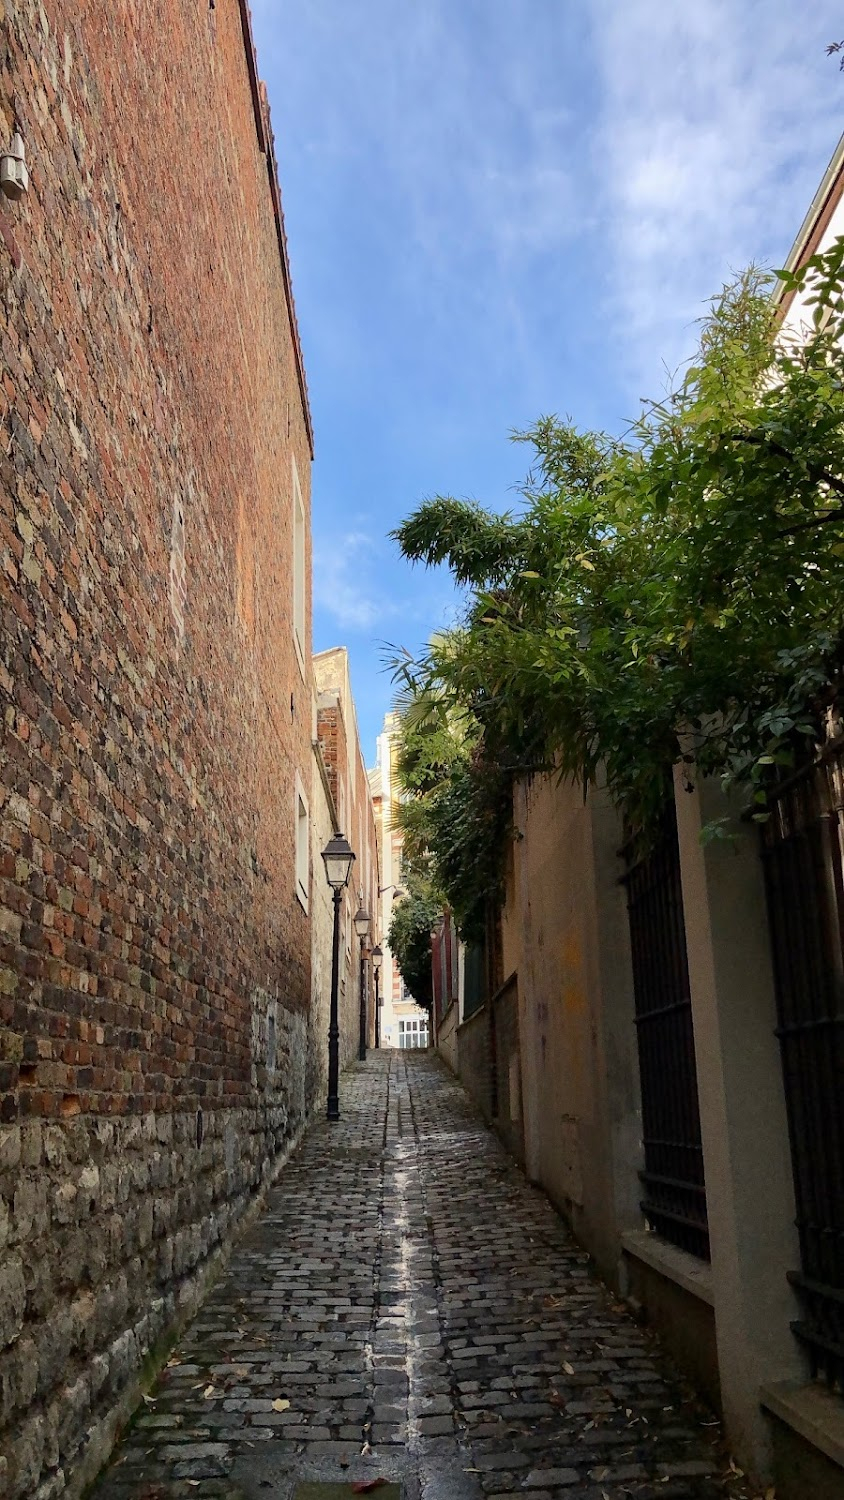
point(154, 956)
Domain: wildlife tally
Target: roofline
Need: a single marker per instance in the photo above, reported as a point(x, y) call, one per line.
point(330, 651)
point(266, 145)
point(815, 222)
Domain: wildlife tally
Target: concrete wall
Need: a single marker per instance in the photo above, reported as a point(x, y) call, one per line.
point(565, 932)
point(154, 949)
point(579, 1065)
point(507, 1104)
point(742, 1113)
point(474, 1059)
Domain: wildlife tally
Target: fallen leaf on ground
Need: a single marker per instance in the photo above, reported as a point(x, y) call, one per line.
point(363, 1486)
point(569, 1369)
point(210, 1390)
point(281, 1405)
point(150, 1400)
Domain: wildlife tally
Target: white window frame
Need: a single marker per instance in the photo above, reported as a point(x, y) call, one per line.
point(302, 844)
point(300, 613)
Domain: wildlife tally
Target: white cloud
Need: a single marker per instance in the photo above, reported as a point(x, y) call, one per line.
point(343, 583)
point(460, 124)
point(354, 585)
point(716, 122)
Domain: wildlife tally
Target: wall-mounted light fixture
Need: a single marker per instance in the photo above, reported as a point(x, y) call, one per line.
point(14, 173)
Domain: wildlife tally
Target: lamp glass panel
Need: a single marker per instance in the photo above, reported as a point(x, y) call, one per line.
point(338, 858)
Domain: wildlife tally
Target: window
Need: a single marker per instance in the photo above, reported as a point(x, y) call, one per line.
point(298, 570)
point(413, 1033)
point(303, 860)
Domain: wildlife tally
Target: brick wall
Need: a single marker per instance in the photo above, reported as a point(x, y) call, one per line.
point(154, 957)
point(341, 753)
point(332, 743)
point(323, 825)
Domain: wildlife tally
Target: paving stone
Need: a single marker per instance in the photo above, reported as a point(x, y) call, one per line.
point(539, 1479)
point(420, 1307)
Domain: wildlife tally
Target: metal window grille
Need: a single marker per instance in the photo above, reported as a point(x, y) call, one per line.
point(803, 850)
point(674, 1202)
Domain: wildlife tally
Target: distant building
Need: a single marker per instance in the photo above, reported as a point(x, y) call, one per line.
point(403, 1022)
point(823, 224)
point(341, 800)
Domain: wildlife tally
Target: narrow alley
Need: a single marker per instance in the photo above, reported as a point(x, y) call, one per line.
point(409, 1309)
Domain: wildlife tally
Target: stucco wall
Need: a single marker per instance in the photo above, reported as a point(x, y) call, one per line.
point(474, 1060)
point(447, 1037)
point(579, 1066)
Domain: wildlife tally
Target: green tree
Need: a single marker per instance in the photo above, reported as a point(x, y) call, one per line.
point(675, 593)
point(409, 938)
point(455, 811)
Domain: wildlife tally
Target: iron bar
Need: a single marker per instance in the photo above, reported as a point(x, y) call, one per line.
point(803, 853)
point(674, 1204)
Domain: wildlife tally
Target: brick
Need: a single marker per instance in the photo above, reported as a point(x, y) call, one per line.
point(152, 711)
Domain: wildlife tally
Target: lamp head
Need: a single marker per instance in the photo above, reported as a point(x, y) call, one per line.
point(338, 857)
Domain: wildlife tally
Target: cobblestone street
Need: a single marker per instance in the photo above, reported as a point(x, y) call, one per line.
point(409, 1309)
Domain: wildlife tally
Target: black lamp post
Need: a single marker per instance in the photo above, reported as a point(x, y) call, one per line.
point(377, 957)
point(362, 920)
point(339, 858)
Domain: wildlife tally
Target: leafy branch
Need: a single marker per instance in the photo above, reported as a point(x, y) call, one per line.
point(667, 588)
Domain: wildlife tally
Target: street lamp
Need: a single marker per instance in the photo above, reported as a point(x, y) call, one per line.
point(377, 958)
point(338, 857)
point(362, 920)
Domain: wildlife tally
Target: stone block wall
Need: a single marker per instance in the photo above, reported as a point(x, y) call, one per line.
point(154, 953)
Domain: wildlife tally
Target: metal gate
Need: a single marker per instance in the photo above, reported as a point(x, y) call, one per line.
point(803, 848)
point(675, 1193)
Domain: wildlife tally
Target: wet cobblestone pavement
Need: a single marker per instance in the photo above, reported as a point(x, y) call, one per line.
point(409, 1309)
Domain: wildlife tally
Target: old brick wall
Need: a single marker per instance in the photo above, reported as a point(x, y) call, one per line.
point(342, 756)
point(323, 825)
point(154, 955)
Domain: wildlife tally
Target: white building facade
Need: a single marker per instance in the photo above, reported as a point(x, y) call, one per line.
point(403, 1023)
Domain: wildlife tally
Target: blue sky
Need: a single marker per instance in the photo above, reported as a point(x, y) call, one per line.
point(498, 209)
